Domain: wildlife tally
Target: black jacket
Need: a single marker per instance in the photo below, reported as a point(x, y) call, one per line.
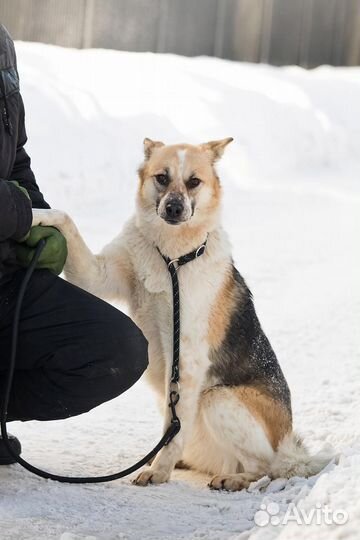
point(15, 208)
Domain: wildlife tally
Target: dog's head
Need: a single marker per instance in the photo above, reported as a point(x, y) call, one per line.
point(179, 184)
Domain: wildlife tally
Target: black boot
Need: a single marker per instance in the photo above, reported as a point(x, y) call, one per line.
point(5, 457)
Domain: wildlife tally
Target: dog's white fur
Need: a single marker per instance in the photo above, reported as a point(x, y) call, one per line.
point(219, 434)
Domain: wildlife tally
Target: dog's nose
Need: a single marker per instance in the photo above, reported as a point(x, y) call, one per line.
point(174, 209)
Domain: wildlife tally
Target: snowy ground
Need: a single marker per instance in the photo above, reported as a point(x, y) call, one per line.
point(291, 183)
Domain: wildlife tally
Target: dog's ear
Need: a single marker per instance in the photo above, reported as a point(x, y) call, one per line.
point(216, 148)
point(149, 146)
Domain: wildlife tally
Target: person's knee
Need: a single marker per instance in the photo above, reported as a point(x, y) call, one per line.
point(127, 346)
point(111, 369)
point(115, 358)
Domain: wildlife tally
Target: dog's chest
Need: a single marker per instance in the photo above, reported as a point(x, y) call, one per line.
point(199, 282)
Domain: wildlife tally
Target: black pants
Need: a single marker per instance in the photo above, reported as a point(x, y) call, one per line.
point(75, 351)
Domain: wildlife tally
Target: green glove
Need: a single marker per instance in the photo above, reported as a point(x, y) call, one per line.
point(16, 183)
point(53, 256)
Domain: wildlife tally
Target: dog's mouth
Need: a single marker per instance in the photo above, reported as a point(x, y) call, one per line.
point(170, 221)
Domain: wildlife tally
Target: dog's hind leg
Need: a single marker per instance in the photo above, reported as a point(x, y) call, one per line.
point(206, 454)
point(246, 426)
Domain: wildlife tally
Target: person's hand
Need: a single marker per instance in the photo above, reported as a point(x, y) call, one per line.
point(52, 257)
point(16, 183)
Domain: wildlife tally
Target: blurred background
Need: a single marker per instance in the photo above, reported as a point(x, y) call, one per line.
point(279, 32)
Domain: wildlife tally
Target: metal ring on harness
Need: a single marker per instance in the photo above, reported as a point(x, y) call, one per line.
point(173, 263)
point(200, 250)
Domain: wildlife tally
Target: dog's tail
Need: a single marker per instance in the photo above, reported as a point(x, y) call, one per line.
point(292, 458)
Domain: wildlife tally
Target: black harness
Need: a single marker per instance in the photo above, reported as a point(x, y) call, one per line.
point(174, 394)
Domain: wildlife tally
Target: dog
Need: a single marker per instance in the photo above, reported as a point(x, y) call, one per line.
point(235, 404)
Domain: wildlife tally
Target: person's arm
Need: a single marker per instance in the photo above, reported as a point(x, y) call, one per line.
point(22, 172)
point(15, 212)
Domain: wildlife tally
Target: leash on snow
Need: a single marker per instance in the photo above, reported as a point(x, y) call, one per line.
point(174, 393)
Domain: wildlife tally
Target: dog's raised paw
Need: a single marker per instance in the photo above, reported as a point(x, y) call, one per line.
point(149, 476)
point(232, 482)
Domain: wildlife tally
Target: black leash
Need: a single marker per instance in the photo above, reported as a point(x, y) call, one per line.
point(173, 266)
point(174, 395)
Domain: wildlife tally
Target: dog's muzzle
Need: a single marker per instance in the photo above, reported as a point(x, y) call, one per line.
point(174, 210)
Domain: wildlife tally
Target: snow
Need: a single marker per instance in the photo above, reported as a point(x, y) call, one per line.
point(291, 207)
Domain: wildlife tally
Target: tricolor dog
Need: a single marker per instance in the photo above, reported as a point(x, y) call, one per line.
point(235, 406)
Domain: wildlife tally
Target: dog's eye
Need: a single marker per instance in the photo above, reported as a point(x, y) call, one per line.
point(193, 183)
point(162, 179)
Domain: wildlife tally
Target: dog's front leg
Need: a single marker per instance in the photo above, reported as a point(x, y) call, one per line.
point(191, 376)
point(107, 275)
point(81, 265)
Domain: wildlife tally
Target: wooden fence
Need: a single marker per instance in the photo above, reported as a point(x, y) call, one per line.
point(304, 32)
